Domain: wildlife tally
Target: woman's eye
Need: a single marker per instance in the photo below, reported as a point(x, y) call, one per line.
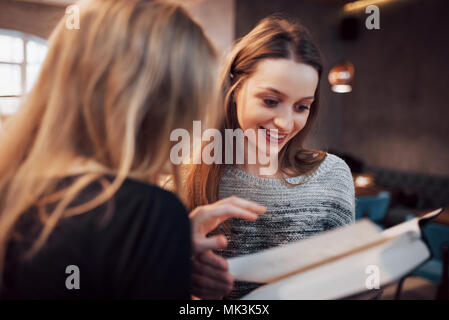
point(302, 108)
point(270, 102)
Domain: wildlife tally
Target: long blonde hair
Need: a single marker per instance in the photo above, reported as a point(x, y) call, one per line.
point(108, 94)
point(278, 37)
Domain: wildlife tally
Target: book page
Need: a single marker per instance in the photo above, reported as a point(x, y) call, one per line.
point(283, 261)
point(350, 275)
point(432, 214)
point(411, 225)
point(275, 263)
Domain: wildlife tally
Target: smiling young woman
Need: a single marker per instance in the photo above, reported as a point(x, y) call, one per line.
point(271, 81)
point(277, 97)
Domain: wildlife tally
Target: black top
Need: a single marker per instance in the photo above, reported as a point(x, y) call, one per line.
point(140, 250)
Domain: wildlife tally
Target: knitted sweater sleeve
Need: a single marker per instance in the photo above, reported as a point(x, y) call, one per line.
point(341, 195)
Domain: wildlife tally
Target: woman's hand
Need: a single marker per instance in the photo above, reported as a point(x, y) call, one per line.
point(211, 279)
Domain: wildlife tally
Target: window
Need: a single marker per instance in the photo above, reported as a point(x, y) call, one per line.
point(21, 57)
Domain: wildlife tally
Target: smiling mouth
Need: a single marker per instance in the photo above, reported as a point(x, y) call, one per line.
point(273, 136)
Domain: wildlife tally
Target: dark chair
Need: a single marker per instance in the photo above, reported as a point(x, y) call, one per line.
point(437, 268)
point(373, 207)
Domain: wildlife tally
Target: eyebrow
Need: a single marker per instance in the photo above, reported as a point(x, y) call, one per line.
point(283, 94)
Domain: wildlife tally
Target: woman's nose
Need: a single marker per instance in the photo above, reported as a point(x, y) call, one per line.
point(284, 121)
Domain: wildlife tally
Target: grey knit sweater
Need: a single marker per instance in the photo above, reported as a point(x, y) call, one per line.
point(324, 201)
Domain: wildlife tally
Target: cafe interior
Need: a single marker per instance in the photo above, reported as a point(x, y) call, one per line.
point(384, 103)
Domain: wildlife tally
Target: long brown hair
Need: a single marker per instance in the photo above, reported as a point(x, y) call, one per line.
point(106, 100)
point(278, 37)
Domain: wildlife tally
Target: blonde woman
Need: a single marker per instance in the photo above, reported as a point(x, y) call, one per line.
point(271, 82)
point(80, 214)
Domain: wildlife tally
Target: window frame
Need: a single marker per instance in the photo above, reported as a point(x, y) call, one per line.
point(25, 37)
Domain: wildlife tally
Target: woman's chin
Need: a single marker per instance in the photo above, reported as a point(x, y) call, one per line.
point(269, 151)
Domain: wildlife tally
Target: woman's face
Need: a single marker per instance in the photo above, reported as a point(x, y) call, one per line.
point(278, 95)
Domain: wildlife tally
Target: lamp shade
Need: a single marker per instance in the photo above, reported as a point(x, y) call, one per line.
point(341, 77)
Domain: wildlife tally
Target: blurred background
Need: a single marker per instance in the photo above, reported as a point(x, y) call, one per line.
point(385, 101)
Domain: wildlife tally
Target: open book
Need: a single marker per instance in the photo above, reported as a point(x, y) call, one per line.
point(335, 264)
